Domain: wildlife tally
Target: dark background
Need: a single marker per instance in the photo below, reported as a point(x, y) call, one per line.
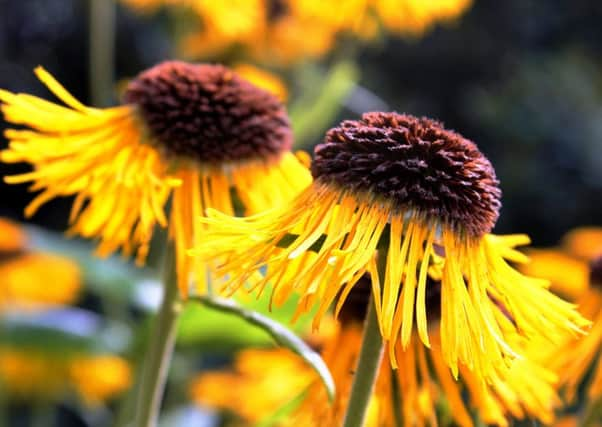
point(522, 78)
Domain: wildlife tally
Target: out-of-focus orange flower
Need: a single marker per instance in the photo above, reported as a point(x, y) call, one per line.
point(286, 31)
point(29, 373)
point(97, 379)
point(35, 280)
point(262, 381)
point(12, 238)
point(583, 242)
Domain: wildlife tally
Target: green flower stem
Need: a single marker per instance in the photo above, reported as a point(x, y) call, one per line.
point(367, 366)
point(102, 51)
point(160, 350)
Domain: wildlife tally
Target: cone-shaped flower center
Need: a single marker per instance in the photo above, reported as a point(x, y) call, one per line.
point(208, 113)
point(413, 163)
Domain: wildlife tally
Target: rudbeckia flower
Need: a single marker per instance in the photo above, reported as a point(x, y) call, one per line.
point(425, 197)
point(33, 280)
point(192, 132)
point(412, 395)
point(575, 269)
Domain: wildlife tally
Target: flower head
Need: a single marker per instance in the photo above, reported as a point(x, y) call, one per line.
point(575, 269)
point(189, 132)
point(426, 199)
point(412, 164)
point(99, 378)
point(33, 280)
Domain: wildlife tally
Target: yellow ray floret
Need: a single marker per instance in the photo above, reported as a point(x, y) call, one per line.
point(327, 239)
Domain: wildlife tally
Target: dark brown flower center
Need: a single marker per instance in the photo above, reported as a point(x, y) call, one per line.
point(208, 113)
point(416, 164)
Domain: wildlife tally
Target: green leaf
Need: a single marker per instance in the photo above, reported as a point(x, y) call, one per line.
point(282, 335)
point(224, 332)
point(283, 412)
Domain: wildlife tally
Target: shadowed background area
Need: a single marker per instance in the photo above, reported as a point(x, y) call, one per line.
point(521, 78)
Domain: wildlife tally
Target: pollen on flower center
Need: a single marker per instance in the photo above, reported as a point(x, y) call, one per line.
point(414, 163)
point(208, 113)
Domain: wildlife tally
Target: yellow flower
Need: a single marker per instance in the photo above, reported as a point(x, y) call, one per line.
point(263, 381)
point(32, 373)
point(263, 79)
point(232, 19)
point(575, 270)
point(412, 393)
point(33, 279)
point(584, 242)
point(569, 276)
point(427, 197)
point(12, 238)
point(417, 16)
point(192, 132)
point(292, 30)
point(575, 358)
point(98, 379)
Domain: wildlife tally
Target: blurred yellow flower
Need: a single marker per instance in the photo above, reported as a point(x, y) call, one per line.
point(189, 132)
point(12, 238)
point(417, 16)
point(569, 276)
point(583, 242)
point(98, 379)
point(262, 381)
point(29, 373)
point(30, 280)
point(35, 280)
point(263, 79)
point(287, 31)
